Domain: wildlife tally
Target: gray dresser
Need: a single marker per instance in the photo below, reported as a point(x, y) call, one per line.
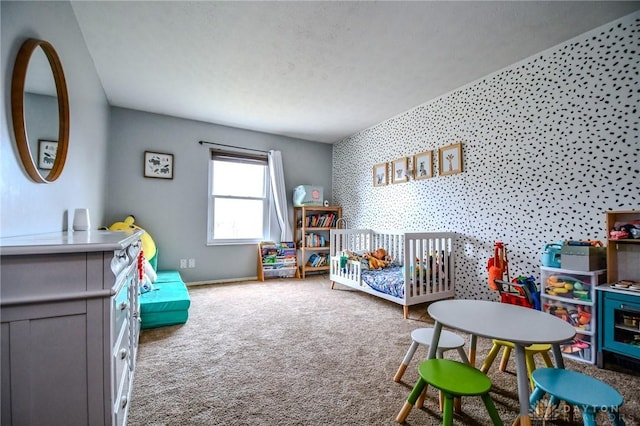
point(70, 324)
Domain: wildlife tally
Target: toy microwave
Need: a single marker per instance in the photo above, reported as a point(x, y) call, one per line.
point(307, 195)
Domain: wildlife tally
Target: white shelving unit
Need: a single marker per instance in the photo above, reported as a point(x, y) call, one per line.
point(571, 296)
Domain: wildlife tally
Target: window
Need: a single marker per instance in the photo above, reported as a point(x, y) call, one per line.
point(238, 198)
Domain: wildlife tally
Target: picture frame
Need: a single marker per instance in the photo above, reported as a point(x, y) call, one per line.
point(399, 170)
point(423, 165)
point(450, 159)
point(47, 153)
point(380, 174)
point(158, 165)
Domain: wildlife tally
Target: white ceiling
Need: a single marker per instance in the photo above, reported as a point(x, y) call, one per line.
point(319, 71)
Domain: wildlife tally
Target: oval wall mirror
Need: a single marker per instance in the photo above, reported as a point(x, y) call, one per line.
point(40, 110)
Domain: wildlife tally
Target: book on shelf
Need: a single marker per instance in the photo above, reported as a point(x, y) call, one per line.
point(325, 220)
point(282, 253)
point(317, 260)
point(315, 240)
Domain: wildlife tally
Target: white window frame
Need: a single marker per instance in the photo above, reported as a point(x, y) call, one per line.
point(266, 210)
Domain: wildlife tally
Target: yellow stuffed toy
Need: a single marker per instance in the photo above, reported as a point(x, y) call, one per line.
point(148, 245)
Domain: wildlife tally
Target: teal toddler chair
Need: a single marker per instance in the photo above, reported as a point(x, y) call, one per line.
point(589, 394)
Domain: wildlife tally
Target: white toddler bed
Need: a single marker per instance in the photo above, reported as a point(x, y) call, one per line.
point(422, 269)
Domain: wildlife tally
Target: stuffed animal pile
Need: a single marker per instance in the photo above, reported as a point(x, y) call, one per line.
point(378, 259)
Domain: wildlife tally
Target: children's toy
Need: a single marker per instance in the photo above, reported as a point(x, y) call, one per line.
point(498, 266)
point(378, 259)
point(148, 245)
point(551, 255)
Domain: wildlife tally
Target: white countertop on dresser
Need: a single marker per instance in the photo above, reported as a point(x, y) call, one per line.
point(68, 242)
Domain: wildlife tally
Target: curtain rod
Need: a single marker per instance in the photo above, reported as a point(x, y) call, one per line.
point(231, 146)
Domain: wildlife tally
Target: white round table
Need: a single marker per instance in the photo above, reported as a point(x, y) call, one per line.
point(493, 320)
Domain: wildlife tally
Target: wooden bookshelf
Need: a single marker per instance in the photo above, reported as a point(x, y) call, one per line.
point(311, 233)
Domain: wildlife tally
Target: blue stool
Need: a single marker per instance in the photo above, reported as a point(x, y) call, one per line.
point(590, 395)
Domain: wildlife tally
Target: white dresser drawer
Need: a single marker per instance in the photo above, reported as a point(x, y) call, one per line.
point(121, 357)
point(121, 310)
point(121, 402)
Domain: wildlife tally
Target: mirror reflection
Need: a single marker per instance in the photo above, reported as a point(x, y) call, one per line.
point(41, 112)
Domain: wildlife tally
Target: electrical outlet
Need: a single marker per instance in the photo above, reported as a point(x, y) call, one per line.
point(183, 263)
point(192, 263)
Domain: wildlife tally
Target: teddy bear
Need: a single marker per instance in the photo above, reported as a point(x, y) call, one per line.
point(378, 259)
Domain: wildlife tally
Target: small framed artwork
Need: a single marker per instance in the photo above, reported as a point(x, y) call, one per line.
point(47, 154)
point(423, 165)
point(380, 174)
point(399, 170)
point(158, 165)
point(450, 159)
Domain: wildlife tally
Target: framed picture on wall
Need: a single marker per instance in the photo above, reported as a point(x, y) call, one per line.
point(423, 165)
point(158, 165)
point(399, 170)
point(47, 154)
point(450, 159)
point(380, 174)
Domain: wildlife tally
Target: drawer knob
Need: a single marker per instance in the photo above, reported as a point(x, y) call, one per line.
point(123, 353)
point(123, 306)
point(123, 402)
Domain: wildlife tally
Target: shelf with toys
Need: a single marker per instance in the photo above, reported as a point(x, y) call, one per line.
point(570, 295)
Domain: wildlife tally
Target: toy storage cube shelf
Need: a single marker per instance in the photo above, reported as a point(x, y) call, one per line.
point(570, 295)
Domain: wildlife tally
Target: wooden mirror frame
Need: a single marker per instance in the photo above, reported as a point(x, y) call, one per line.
point(18, 113)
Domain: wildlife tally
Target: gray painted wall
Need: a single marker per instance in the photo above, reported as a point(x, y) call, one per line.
point(27, 207)
point(174, 211)
point(549, 145)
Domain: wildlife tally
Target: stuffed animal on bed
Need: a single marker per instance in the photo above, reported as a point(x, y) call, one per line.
point(378, 259)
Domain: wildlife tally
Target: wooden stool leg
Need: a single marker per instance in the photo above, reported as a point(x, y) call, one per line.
point(505, 358)
point(491, 408)
point(457, 405)
point(406, 360)
point(447, 412)
point(423, 395)
point(588, 417)
point(615, 418)
point(402, 415)
point(531, 365)
point(411, 400)
point(490, 357)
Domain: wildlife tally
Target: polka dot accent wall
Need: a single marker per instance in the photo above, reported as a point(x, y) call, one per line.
point(548, 145)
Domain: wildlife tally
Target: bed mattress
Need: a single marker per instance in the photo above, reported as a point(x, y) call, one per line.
point(388, 280)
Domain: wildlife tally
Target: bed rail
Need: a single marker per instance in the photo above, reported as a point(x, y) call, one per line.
point(427, 258)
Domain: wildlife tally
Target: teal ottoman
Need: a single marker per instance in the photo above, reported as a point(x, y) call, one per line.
point(167, 304)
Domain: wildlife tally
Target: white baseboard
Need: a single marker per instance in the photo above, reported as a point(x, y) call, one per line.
point(223, 281)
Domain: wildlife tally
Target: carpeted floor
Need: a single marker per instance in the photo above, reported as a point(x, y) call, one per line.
point(295, 352)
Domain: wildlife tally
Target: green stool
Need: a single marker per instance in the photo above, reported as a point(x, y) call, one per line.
point(453, 379)
point(585, 392)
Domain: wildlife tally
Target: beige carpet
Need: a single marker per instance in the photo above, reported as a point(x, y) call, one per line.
point(294, 352)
